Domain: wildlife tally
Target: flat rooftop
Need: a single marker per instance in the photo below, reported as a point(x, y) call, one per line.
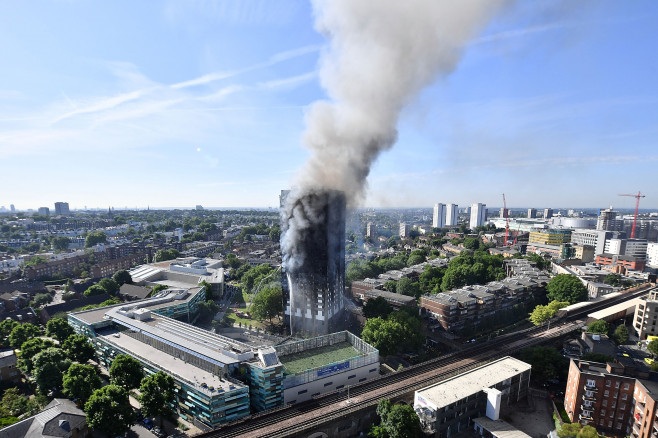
point(500, 428)
point(319, 357)
point(191, 374)
point(459, 387)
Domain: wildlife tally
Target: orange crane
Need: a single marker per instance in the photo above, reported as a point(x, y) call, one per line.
point(637, 204)
point(506, 216)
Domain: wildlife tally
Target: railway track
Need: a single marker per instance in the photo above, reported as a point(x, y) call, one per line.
point(317, 411)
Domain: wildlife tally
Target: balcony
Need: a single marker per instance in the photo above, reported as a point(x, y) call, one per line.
point(582, 417)
point(587, 408)
point(589, 398)
point(590, 388)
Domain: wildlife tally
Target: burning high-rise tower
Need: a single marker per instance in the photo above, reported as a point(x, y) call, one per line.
point(313, 250)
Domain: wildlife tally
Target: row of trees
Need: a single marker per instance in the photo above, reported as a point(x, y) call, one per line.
point(398, 331)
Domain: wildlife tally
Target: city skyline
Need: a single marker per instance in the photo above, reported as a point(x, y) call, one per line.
point(205, 102)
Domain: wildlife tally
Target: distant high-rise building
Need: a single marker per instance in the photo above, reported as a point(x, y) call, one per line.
point(504, 212)
point(12, 208)
point(314, 260)
point(44, 211)
point(439, 219)
point(62, 208)
point(404, 229)
point(452, 214)
point(370, 230)
point(607, 220)
point(532, 213)
point(478, 215)
point(199, 207)
point(548, 213)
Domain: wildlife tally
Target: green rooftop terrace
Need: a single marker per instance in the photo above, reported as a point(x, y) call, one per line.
point(318, 357)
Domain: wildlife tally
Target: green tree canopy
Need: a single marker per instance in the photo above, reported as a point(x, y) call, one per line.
point(621, 334)
point(22, 333)
point(49, 367)
point(268, 303)
point(41, 299)
point(94, 238)
point(547, 363)
point(157, 394)
point(398, 332)
point(377, 307)
point(6, 326)
point(652, 347)
point(60, 243)
point(110, 286)
point(80, 381)
point(566, 287)
point(122, 277)
point(599, 326)
point(108, 410)
point(79, 348)
point(29, 349)
point(408, 287)
point(207, 310)
point(95, 289)
point(542, 313)
point(59, 329)
point(166, 254)
point(397, 421)
point(126, 372)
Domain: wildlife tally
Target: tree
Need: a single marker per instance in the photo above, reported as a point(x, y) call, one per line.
point(471, 243)
point(126, 372)
point(110, 286)
point(612, 279)
point(207, 310)
point(41, 299)
point(398, 332)
point(566, 287)
point(79, 348)
point(397, 421)
point(22, 333)
point(93, 290)
point(60, 243)
point(569, 430)
point(547, 363)
point(157, 394)
point(94, 238)
point(599, 326)
point(166, 254)
point(59, 329)
point(15, 404)
point(597, 357)
point(80, 381)
point(268, 303)
point(376, 307)
point(49, 367)
point(408, 287)
point(29, 349)
point(108, 410)
point(232, 261)
point(652, 347)
point(6, 326)
point(621, 334)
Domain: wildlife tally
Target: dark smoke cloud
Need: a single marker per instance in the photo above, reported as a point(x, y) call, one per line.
point(381, 54)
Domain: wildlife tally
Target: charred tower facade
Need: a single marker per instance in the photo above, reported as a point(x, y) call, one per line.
point(313, 253)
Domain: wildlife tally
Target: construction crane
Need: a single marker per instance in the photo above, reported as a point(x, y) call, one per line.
point(506, 216)
point(637, 204)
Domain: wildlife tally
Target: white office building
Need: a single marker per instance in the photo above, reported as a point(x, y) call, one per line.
point(478, 215)
point(596, 238)
point(452, 214)
point(404, 229)
point(652, 255)
point(439, 219)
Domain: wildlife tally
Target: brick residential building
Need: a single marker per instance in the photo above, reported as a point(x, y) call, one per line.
point(615, 398)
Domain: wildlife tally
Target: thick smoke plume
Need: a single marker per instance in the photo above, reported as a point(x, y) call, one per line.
point(381, 54)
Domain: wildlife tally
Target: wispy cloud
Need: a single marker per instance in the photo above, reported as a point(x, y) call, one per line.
point(518, 33)
point(288, 82)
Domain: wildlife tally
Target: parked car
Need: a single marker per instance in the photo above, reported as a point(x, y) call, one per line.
point(158, 432)
point(147, 423)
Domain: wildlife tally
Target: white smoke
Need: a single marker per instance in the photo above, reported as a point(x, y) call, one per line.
point(381, 53)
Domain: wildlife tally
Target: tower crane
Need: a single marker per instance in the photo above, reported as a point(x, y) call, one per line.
point(637, 204)
point(506, 216)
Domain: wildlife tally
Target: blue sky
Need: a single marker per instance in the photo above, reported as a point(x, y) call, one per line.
point(178, 103)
